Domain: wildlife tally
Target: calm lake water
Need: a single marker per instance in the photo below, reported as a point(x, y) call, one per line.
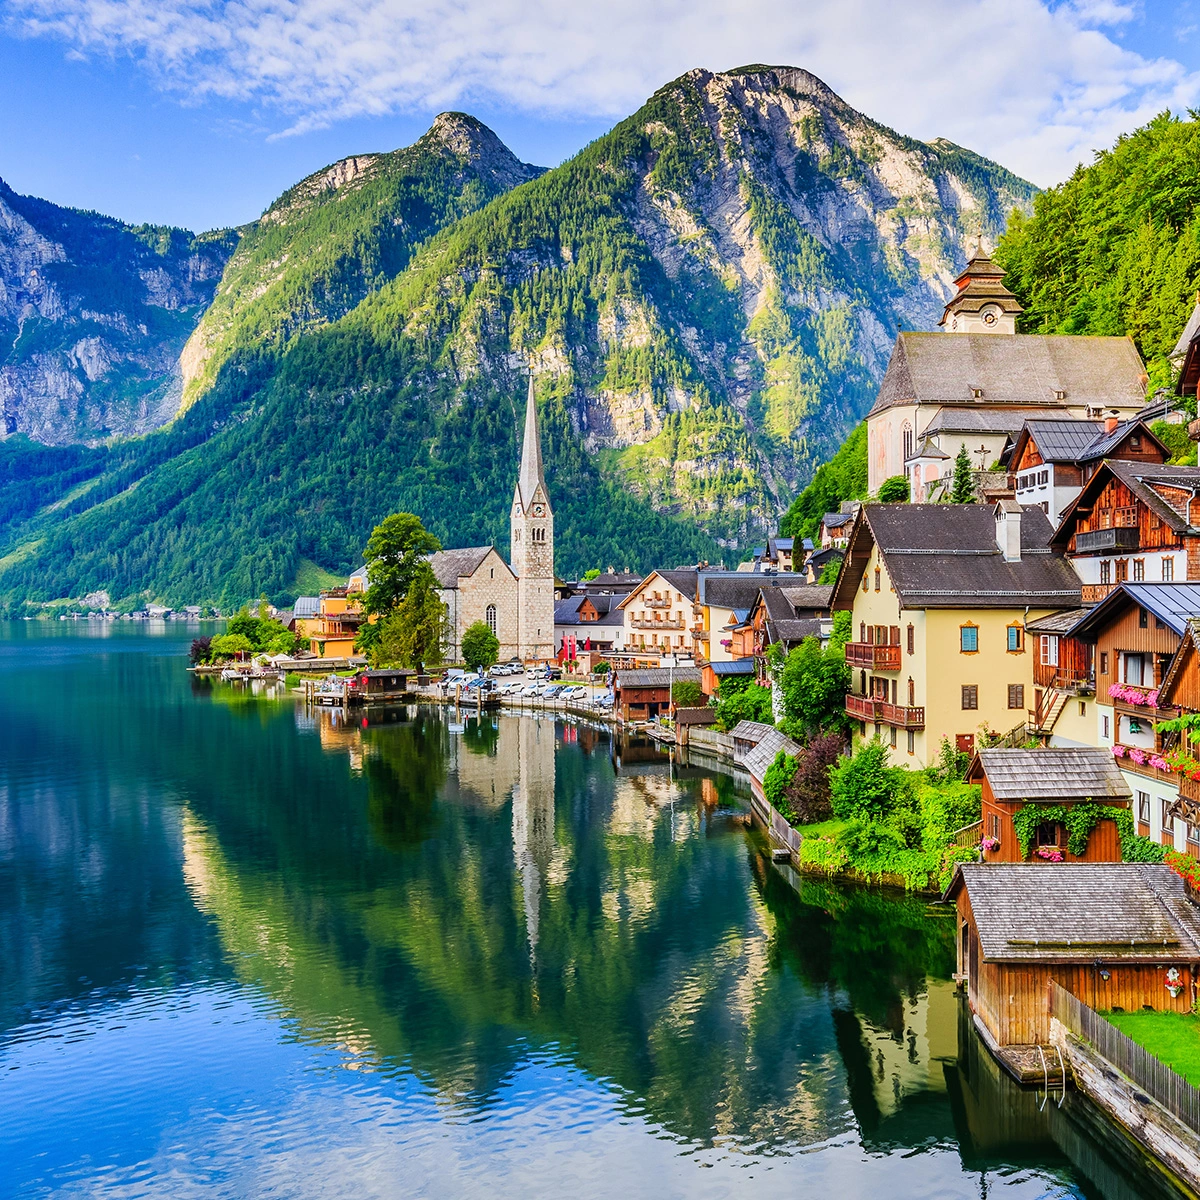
point(246, 951)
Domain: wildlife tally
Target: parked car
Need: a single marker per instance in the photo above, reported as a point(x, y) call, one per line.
point(532, 689)
point(554, 691)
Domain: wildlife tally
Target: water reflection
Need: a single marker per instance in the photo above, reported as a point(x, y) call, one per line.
point(524, 940)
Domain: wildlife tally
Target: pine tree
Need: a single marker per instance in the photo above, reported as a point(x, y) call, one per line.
point(963, 490)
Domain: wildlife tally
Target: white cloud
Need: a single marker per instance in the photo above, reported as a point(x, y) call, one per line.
point(1034, 86)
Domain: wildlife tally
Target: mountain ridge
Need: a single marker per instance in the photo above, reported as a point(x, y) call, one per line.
point(706, 297)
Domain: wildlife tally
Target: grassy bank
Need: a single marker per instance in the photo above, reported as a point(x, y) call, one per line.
point(1173, 1038)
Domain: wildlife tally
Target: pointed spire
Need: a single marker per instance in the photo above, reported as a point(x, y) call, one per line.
point(531, 454)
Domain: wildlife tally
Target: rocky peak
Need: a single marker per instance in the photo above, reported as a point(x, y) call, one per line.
point(471, 141)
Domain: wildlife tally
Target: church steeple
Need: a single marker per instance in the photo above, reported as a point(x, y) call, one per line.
point(981, 304)
point(532, 528)
point(530, 477)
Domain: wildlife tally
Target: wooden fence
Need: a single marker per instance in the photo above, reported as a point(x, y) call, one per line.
point(968, 836)
point(1155, 1078)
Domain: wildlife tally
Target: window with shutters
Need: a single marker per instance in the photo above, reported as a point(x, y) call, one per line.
point(877, 574)
point(912, 640)
point(1016, 639)
point(1121, 574)
point(994, 826)
point(1016, 695)
point(968, 639)
point(970, 695)
point(912, 692)
point(1049, 650)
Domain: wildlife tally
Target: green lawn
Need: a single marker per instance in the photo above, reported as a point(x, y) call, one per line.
point(1173, 1038)
point(825, 829)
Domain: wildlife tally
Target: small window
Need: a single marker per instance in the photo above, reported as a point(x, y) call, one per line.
point(912, 741)
point(912, 692)
point(1016, 695)
point(968, 639)
point(1168, 821)
point(1139, 570)
point(1143, 799)
point(970, 696)
point(1103, 662)
point(1168, 570)
point(866, 582)
point(893, 737)
point(994, 826)
point(1016, 639)
point(877, 573)
point(1047, 833)
point(1083, 708)
point(912, 640)
point(1104, 726)
point(1193, 834)
point(1143, 619)
point(1105, 571)
point(1049, 650)
point(862, 631)
point(1122, 572)
point(1135, 441)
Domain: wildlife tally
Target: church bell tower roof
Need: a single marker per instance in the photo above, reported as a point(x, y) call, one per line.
point(980, 290)
point(531, 476)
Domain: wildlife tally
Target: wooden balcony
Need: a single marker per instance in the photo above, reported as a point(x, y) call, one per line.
point(1115, 540)
point(867, 708)
point(1093, 593)
point(646, 623)
point(873, 657)
point(651, 602)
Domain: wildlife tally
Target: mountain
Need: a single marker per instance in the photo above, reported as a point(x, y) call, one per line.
point(339, 234)
point(706, 297)
point(93, 316)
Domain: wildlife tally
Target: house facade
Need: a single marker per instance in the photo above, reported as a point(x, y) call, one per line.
point(939, 596)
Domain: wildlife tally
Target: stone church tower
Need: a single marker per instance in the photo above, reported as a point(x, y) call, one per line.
point(533, 546)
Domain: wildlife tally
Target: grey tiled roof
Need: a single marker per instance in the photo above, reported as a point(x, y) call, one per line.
point(739, 589)
point(1023, 369)
point(657, 677)
point(763, 755)
point(984, 419)
point(566, 612)
point(794, 629)
point(1080, 911)
point(750, 731)
point(452, 565)
point(1059, 622)
point(1054, 774)
point(306, 606)
point(809, 598)
point(945, 556)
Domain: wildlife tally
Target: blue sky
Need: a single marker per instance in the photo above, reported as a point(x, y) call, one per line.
point(200, 112)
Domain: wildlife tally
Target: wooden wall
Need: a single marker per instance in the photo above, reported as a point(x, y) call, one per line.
point(1153, 534)
point(1125, 633)
point(1103, 846)
point(1010, 998)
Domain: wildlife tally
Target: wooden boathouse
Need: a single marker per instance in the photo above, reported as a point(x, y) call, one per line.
point(1119, 936)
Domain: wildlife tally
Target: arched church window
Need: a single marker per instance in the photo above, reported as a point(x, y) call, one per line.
point(908, 441)
point(491, 618)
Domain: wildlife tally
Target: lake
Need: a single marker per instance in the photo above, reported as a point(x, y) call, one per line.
point(252, 951)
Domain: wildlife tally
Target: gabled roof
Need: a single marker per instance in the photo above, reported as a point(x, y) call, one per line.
point(1079, 441)
point(449, 566)
point(758, 759)
point(1190, 330)
point(793, 629)
point(657, 677)
point(739, 589)
point(1171, 603)
point(1012, 369)
point(566, 612)
point(1079, 912)
point(1189, 647)
point(1141, 479)
point(985, 418)
point(306, 606)
point(946, 556)
point(1060, 622)
point(836, 520)
point(683, 580)
point(1051, 775)
point(750, 731)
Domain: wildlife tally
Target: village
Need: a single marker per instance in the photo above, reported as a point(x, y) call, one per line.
point(1008, 658)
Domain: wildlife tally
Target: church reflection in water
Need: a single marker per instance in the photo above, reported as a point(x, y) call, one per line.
point(460, 900)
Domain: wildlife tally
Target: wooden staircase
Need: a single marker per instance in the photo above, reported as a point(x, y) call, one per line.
point(1043, 718)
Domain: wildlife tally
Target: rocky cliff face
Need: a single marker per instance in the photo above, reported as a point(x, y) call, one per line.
point(93, 315)
point(342, 232)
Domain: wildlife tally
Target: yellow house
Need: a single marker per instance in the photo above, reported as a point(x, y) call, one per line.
point(939, 596)
point(336, 623)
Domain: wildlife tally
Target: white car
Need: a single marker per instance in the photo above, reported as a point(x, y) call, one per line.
point(533, 689)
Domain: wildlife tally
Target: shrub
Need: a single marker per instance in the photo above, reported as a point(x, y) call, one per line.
point(687, 693)
point(893, 489)
point(862, 787)
point(777, 780)
point(808, 795)
point(228, 645)
point(201, 650)
point(747, 703)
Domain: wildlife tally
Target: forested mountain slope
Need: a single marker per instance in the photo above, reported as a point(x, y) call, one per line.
point(93, 315)
point(1116, 248)
point(706, 297)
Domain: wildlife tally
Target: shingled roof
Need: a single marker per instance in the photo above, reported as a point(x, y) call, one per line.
point(657, 677)
point(1078, 912)
point(449, 566)
point(946, 556)
point(1141, 479)
point(1052, 774)
point(1025, 370)
point(763, 754)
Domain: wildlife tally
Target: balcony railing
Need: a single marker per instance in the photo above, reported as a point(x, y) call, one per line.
point(873, 657)
point(1119, 538)
point(867, 708)
point(654, 602)
point(646, 623)
point(1093, 593)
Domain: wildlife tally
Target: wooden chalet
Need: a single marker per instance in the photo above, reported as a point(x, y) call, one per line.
point(782, 616)
point(713, 674)
point(1051, 460)
point(381, 685)
point(1047, 778)
point(1133, 522)
point(646, 694)
point(1181, 691)
point(1106, 932)
point(1063, 666)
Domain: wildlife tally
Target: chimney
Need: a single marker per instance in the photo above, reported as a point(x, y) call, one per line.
point(1110, 425)
point(1008, 529)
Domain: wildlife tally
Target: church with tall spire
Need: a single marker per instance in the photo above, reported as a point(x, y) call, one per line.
point(514, 599)
point(532, 544)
